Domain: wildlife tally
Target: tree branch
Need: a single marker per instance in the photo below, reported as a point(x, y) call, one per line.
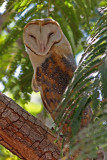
point(24, 135)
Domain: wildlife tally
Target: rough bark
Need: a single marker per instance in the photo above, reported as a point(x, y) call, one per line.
point(24, 135)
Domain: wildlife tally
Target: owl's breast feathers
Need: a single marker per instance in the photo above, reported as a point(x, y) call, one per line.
point(53, 77)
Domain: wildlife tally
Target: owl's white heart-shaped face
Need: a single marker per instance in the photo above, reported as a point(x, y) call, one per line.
point(40, 35)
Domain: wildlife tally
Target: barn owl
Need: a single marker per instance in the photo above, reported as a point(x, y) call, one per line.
point(51, 56)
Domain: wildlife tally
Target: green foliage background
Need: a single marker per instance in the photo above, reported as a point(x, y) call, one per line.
point(77, 19)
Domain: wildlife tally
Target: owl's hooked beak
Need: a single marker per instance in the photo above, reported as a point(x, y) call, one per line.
point(42, 48)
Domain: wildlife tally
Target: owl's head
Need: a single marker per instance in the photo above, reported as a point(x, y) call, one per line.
point(40, 35)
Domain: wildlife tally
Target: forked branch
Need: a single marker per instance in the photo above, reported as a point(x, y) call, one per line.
point(24, 135)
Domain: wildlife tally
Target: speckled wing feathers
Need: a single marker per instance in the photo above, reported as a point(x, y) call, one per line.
point(53, 76)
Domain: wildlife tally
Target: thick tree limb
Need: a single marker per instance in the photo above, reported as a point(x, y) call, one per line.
point(24, 135)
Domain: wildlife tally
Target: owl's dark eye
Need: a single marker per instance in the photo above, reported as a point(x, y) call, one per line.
point(32, 36)
point(50, 34)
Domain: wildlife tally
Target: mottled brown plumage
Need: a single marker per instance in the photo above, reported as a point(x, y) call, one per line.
point(53, 76)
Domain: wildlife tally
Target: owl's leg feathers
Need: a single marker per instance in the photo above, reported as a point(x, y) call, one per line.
point(34, 85)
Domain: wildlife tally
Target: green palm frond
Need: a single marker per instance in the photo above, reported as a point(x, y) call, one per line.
point(89, 140)
point(89, 86)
